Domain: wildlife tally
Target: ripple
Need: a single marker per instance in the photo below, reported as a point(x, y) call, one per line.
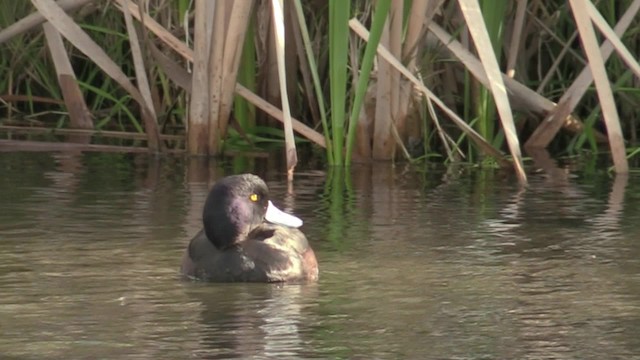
point(412, 266)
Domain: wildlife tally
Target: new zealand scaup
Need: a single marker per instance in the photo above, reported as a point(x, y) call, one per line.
point(247, 239)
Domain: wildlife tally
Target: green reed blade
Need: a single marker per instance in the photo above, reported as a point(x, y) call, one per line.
point(380, 17)
point(339, 11)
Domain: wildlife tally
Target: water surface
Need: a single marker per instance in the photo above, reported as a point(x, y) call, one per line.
point(415, 263)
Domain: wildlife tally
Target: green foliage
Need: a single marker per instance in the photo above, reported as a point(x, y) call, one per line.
point(244, 111)
point(494, 13)
point(382, 9)
point(317, 85)
point(27, 70)
point(339, 12)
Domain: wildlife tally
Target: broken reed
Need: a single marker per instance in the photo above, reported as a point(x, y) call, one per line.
point(545, 59)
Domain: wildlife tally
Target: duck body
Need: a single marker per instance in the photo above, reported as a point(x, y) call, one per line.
point(245, 238)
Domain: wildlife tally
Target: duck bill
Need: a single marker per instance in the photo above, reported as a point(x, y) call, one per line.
point(277, 216)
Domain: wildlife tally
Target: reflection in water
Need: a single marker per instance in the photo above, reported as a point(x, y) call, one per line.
point(251, 320)
point(414, 263)
point(553, 314)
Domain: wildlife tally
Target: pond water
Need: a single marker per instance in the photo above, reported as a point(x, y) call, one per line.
point(414, 263)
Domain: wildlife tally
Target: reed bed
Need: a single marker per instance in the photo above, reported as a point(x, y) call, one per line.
point(453, 81)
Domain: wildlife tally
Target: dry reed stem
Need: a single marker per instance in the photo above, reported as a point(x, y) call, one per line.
point(236, 32)
point(383, 141)
point(475, 22)
point(26, 145)
point(522, 97)
point(163, 34)
point(199, 102)
point(290, 145)
point(79, 115)
point(105, 133)
point(276, 113)
point(603, 86)
point(34, 19)
point(75, 35)
point(608, 33)
point(421, 14)
point(482, 144)
point(216, 73)
point(546, 131)
point(516, 37)
point(138, 62)
point(183, 50)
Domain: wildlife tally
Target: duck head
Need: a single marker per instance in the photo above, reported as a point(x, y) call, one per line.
point(236, 205)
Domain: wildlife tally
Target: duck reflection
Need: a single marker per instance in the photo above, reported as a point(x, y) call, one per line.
point(244, 320)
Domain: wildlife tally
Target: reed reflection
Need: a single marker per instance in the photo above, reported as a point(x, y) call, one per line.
point(254, 320)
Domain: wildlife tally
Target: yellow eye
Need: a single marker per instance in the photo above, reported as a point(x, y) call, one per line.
point(254, 197)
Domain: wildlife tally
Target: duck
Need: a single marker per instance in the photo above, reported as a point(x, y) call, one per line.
point(246, 238)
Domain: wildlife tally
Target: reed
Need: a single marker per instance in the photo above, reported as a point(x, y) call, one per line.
point(243, 110)
point(380, 16)
point(317, 84)
point(172, 77)
point(339, 12)
point(494, 13)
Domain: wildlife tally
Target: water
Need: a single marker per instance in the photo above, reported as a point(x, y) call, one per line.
point(413, 264)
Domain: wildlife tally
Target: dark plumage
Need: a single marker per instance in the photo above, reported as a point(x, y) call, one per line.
point(237, 244)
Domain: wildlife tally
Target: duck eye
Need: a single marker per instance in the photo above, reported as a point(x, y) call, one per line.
point(254, 197)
